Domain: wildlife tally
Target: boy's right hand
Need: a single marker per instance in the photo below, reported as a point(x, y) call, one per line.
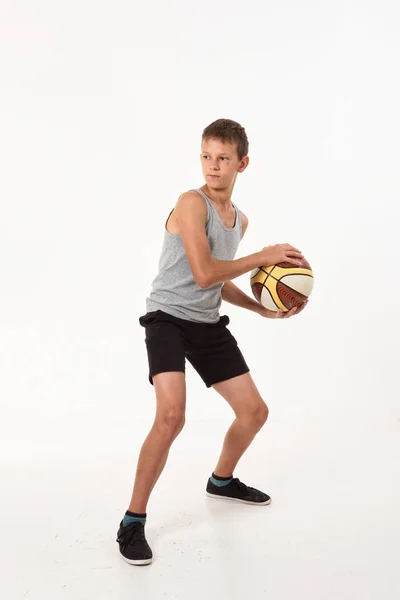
point(271, 255)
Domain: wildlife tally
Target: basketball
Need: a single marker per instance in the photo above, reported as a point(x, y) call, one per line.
point(282, 286)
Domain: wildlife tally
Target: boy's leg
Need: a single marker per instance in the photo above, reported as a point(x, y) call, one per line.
point(170, 389)
point(216, 356)
point(166, 356)
point(251, 413)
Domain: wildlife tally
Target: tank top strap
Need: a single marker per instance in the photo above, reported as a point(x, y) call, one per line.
point(213, 211)
point(209, 203)
point(199, 191)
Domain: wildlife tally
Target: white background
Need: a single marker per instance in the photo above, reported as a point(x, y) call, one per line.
point(102, 109)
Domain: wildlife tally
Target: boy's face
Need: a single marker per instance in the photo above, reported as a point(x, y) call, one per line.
point(220, 163)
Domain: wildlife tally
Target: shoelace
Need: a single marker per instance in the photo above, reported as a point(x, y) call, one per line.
point(242, 486)
point(131, 534)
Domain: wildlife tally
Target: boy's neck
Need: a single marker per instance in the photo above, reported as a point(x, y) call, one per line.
point(220, 197)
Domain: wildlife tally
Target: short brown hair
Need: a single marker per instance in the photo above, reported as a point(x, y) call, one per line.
point(228, 131)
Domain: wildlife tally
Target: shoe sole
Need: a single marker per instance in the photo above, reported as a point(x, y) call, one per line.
point(238, 500)
point(138, 563)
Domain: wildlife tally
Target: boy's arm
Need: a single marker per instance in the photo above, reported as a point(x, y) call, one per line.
point(234, 295)
point(191, 214)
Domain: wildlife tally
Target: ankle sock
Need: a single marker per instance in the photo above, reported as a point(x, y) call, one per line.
point(220, 481)
point(131, 517)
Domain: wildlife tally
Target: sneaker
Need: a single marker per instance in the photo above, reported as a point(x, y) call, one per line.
point(236, 491)
point(133, 545)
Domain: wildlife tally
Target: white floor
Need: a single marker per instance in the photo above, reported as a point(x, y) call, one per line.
point(332, 530)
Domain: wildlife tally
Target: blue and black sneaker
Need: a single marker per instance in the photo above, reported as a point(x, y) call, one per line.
point(236, 491)
point(133, 545)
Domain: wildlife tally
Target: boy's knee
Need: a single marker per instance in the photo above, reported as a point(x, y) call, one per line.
point(261, 414)
point(256, 416)
point(171, 422)
point(264, 412)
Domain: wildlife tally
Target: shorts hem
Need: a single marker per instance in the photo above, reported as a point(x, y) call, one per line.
point(241, 372)
point(165, 371)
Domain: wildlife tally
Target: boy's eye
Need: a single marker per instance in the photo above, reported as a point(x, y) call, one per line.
point(222, 157)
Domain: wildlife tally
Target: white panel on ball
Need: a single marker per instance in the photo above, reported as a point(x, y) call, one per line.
point(254, 272)
point(266, 300)
point(301, 283)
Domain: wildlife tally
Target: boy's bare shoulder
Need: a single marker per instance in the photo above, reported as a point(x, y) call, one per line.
point(190, 208)
point(191, 197)
point(191, 202)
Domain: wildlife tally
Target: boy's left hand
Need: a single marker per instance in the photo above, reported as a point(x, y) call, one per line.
point(280, 314)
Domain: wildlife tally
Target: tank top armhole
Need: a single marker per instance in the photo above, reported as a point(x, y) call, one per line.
point(239, 220)
point(166, 222)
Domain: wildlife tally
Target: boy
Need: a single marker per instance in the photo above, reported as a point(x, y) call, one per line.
point(201, 236)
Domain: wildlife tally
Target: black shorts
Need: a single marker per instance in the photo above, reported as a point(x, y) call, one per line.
point(209, 347)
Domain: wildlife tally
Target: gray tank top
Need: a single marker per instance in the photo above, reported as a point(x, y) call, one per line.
point(174, 289)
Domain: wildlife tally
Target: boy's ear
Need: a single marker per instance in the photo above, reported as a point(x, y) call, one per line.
point(244, 163)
